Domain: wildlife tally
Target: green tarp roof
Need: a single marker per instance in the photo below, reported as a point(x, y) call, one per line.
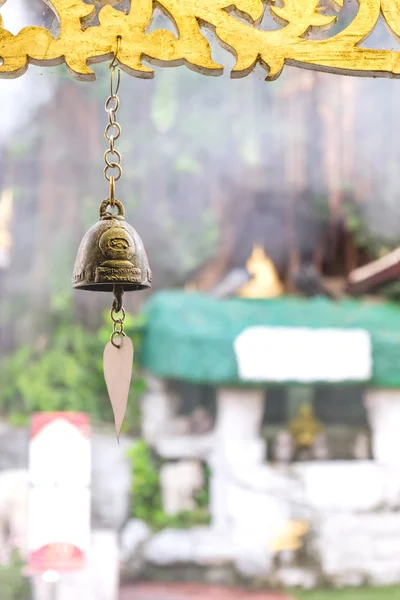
point(190, 336)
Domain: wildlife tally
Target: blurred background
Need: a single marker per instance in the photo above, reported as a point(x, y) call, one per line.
point(261, 205)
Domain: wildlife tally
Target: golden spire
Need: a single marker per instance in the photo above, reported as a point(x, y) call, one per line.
point(305, 427)
point(265, 282)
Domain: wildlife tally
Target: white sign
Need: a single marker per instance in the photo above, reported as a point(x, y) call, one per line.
point(278, 354)
point(59, 527)
point(60, 453)
point(59, 497)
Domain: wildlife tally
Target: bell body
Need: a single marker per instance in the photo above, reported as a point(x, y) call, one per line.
point(111, 253)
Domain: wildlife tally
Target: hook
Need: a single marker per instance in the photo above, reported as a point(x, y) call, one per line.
point(114, 93)
point(114, 60)
point(113, 66)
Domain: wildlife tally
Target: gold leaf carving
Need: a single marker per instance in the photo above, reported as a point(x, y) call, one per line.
point(236, 26)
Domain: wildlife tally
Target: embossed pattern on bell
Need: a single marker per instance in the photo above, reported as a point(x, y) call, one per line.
point(111, 253)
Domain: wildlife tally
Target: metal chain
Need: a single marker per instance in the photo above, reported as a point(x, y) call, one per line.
point(118, 329)
point(112, 132)
point(112, 159)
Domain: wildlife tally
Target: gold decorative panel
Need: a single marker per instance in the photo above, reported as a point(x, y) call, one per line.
point(236, 27)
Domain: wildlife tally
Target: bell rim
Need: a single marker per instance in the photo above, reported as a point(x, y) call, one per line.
point(104, 287)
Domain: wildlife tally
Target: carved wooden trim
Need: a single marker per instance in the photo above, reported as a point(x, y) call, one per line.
point(236, 29)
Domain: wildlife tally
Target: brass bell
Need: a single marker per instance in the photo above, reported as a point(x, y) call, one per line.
point(111, 253)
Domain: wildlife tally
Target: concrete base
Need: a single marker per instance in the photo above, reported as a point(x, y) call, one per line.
point(383, 408)
point(99, 581)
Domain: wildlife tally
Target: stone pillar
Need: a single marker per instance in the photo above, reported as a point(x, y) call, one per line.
point(238, 446)
point(240, 413)
point(383, 407)
point(158, 410)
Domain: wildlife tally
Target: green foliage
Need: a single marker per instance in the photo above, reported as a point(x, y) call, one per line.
point(375, 246)
point(364, 238)
point(391, 291)
point(13, 585)
point(183, 520)
point(63, 371)
point(58, 373)
point(146, 490)
point(146, 494)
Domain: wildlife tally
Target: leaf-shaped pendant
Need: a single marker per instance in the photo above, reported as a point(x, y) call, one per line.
point(118, 365)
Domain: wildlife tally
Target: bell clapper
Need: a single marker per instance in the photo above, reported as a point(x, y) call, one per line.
point(112, 258)
point(118, 361)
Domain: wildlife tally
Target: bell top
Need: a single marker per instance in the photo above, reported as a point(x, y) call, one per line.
point(111, 253)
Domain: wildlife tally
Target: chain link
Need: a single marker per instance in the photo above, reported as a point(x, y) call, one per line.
point(112, 158)
point(118, 328)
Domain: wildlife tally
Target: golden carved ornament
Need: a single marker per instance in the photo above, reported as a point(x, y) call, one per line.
point(290, 538)
point(265, 281)
point(236, 27)
point(305, 428)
